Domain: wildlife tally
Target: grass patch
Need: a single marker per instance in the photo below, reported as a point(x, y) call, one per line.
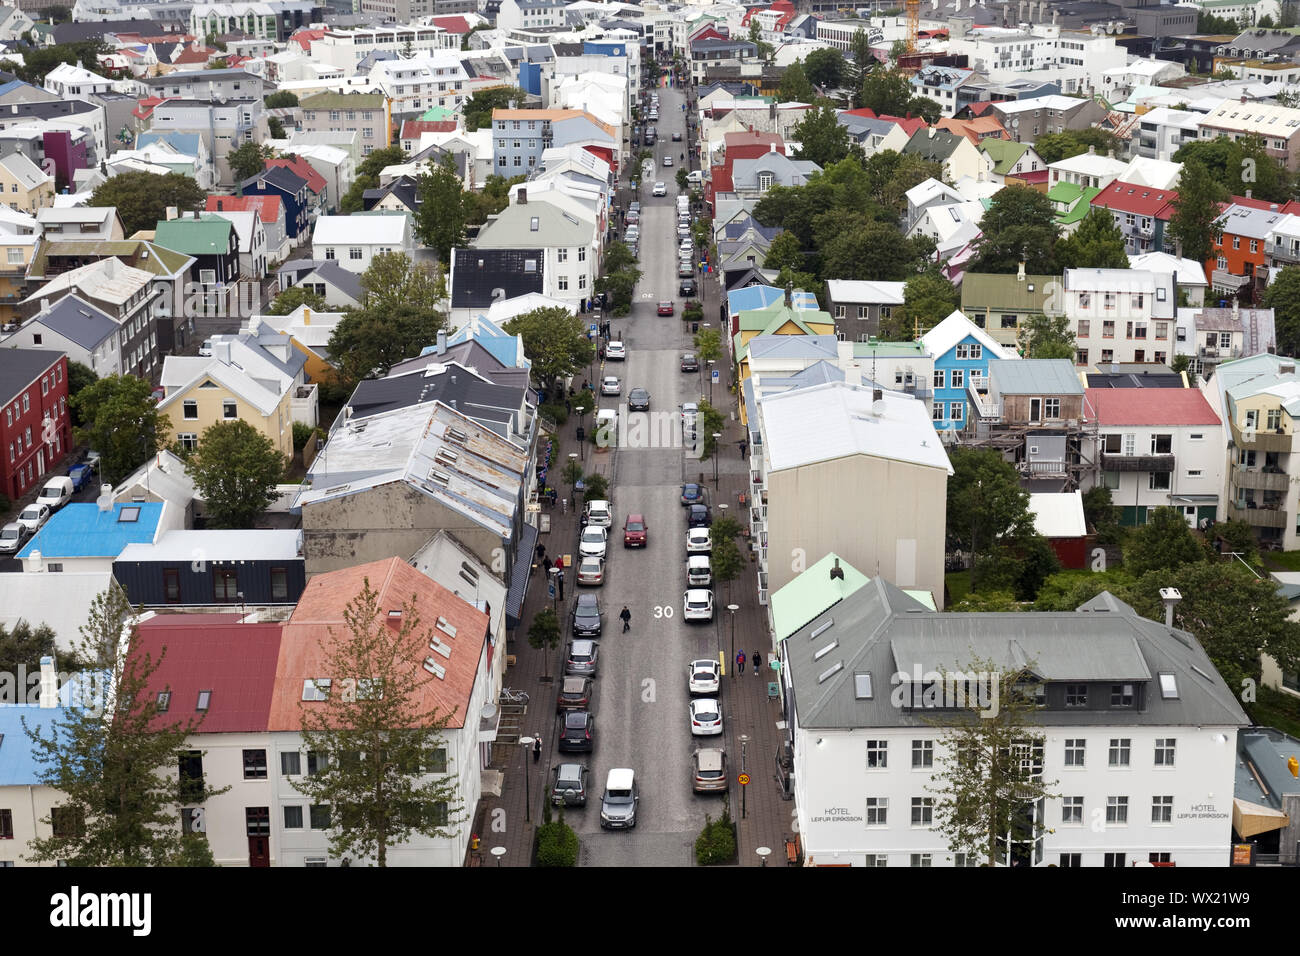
point(1281, 560)
point(1277, 710)
point(958, 583)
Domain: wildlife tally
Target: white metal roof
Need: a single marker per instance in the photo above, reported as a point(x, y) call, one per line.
point(1058, 515)
point(366, 230)
point(250, 545)
point(954, 329)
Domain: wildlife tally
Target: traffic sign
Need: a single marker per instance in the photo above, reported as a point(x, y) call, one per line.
point(744, 779)
point(716, 376)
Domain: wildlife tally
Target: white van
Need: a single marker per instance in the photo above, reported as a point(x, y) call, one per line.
point(618, 802)
point(607, 427)
point(683, 204)
point(695, 177)
point(56, 493)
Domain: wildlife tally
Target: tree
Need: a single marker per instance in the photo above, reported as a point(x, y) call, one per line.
point(544, 633)
point(1072, 142)
point(369, 342)
point(795, 86)
point(595, 487)
point(1019, 226)
point(928, 299)
point(1099, 514)
point(825, 68)
point(620, 278)
point(708, 424)
point(440, 218)
point(726, 562)
point(142, 198)
point(295, 296)
point(235, 469)
point(1047, 337)
point(1195, 211)
point(555, 341)
point(990, 765)
point(765, 49)
point(1237, 537)
point(368, 177)
point(985, 501)
point(708, 345)
point(885, 91)
point(1165, 542)
point(280, 99)
point(38, 61)
point(860, 51)
point(275, 127)
point(478, 108)
point(249, 159)
point(820, 136)
point(1096, 243)
point(854, 248)
point(386, 777)
point(22, 647)
point(79, 376)
point(490, 200)
point(115, 772)
point(1238, 165)
point(785, 251)
point(395, 280)
point(1283, 296)
point(929, 110)
point(122, 422)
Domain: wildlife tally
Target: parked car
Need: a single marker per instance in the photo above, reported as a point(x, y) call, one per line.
point(619, 801)
point(579, 733)
point(615, 352)
point(692, 493)
point(586, 616)
point(668, 161)
point(690, 363)
point(677, 137)
point(706, 717)
point(610, 385)
point(582, 659)
point(709, 770)
point(698, 516)
point(698, 541)
point(12, 537)
point(205, 350)
point(638, 400)
point(690, 412)
point(697, 605)
point(597, 512)
point(686, 287)
point(569, 785)
point(594, 541)
point(56, 493)
point(80, 475)
point(705, 677)
point(699, 572)
point(666, 308)
point(634, 531)
point(33, 516)
point(685, 269)
point(660, 189)
point(575, 694)
point(591, 571)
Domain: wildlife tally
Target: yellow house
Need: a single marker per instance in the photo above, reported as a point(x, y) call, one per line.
point(250, 377)
point(777, 319)
point(309, 333)
point(15, 255)
point(26, 188)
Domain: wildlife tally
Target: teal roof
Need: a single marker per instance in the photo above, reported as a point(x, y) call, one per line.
point(888, 350)
point(195, 237)
point(814, 591)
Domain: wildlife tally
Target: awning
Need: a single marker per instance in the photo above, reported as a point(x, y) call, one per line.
point(519, 572)
point(1195, 499)
point(1251, 819)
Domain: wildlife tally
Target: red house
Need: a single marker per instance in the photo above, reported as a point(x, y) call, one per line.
point(35, 432)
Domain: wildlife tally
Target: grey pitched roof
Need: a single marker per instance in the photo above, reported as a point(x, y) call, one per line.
point(734, 230)
point(1036, 377)
point(78, 321)
point(20, 367)
point(76, 32)
point(935, 145)
point(1162, 379)
point(474, 357)
point(347, 282)
point(882, 631)
point(493, 406)
point(280, 176)
point(477, 274)
point(403, 188)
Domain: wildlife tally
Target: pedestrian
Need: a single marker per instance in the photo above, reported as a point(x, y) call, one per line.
point(553, 495)
point(537, 748)
point(740, 662)
point(758, 662)
point(568, 406)
point(626, 617)
point(744, 446)
point(559, 583)
point(546, 565)
point(541, 551)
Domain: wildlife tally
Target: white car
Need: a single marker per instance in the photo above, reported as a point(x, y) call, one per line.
point(593, 542)
point(690, 414)
point(698, 541)
point(12, 536)
point(610, 385)
point(660, 189)
point(668, 161)
point(598, 513)
point(205, 350)
point(591, 571)
point(706, 717)
point(33, 516)
point(697, 605)
point(616, 351)
point(699, 573)
point(704, 677)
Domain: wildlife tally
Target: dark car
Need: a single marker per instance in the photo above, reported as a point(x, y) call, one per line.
point(569, 785)
point(698, 516)
point(686, 287)
point(690, 363)
point(677, 137)
point(638, 400)
point(575, 694)
point(634, 532)
point(692, 493)
point(586, 616)
point(582, 659)
point(579, 733)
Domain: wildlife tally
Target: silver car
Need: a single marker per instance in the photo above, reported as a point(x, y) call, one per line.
point(12, 536)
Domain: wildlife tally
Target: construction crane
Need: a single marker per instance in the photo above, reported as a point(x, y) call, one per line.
point(913, 23)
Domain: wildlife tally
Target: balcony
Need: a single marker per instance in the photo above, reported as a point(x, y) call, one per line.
point(1259, 516)
point(1265, 479)
point(1285, 252)
point(1218, 353)
point(1044, 468)
point(1222, 279)
point(1158, 463)
point(1146, 230)
point(1262, 439)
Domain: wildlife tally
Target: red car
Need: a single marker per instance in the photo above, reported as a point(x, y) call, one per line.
point(665, 308)
point(634, 532)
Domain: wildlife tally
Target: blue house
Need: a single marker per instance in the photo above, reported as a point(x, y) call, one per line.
point(83, 537)
point(292, 190)
point(962, 352)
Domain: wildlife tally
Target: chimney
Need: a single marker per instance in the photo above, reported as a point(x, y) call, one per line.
point(522, 197)
point(1243, 97)
point(837, 572)
point(45, 305)
point(442, 342)
point(771, 147)
point(1272, 207)
point(789, 295)
point(49, 684)
point(395, 619)
point(1170, 598)
point(1020, 274)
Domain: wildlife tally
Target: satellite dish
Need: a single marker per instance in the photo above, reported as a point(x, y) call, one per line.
point(489, 711)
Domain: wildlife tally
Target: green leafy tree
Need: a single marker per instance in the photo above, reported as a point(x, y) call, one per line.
point(986, 787)
point(929, 110)
point(785, 251)
point(368, 177)
point(38, 61)
point(928, 299)
point(795, 86)
point(1072, 142)
point(860, 52)
point(294, 296)
point(708, 424)
point(853, 247)
point(1283, 296)
point(119, 794)
point(555, 341)
point(557, 843)
point(1195, 211)
point(249, 159)
point(1100, 516)
point(386, 777)
point(1019, 226)
point(275, 127)
point(544, 634)
point(22, 646)
point(1165, 542)
point(394, 279)
point(1047, 337)
point(892, 174)
point(441, 216)
point(716, 844)
point(820, 136)
point(236, 469)
point(280, 99)
point(122, 422)
point(620, 278)
point(825, 68)
point(1238, 165)
point(1181, 363)
point(708, 345)
point(985, 502)
point(79, 376)
point(885, 91)
point(765, 49)
point(478, 108)
point(142, 198)
point(490, 200)
point(1068, 591)
point(1237, 537)
point(1096, 243)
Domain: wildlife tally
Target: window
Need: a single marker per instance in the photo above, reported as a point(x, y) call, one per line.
point(1081, 357)
point(956, 410)
point(1254, 245)
point(316, 762)
point(190, 769)
point(922, 811)
point(1074, 751)
point(1072, 809)
point(257, 821)
point(290, 763)
point(1164, 751)
point(1085, 328)
point(936, 412)
point(764, 182)
point(229, 409)
point(315, 689)
point(320, 816)
point(1052, 408)
point(939, 378)
point(67, 822)
point(6, 824)
point(1085, 300)
point(877, 754)
point(225, 586)
point(279, 584)
point(1076, 695)
point(958, 378)
point(1119, 751)
point(189, 440)
point(254, 764)
point(922, 753)
point(562, 283)
point(1162, 809)
point(293, 818)
point(1117, 809)
point(921, 859)
point(561, 255)
point(1108, 329)
point(877, 811)
point(1071, 859)
point(171, 585)
point(876, 859)
point(190, 408)
point(1114, 860)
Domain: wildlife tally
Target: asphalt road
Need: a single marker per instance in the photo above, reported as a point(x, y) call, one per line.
point(641, 697)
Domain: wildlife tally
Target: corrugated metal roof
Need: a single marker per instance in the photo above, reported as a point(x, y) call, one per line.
point(1035, 377)
point(1058, 515)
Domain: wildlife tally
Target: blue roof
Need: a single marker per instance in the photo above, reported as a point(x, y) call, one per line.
point(499, 343)
point(10, 86)
point(18, 766)
point(81, 530)
point(187, 143)
point(753, 297)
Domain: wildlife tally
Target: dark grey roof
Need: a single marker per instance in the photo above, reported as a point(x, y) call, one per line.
point(48, 109)
point(185, 103)
point(495, 407)
point(280, 176)
point(474, 357)
point(20, 367)
point(935, 145)
point(478, 274)
point(734, 230)
point(76, 32)
point(203, 76)
point(1134, 380)
point(882, 631)
point(346, 282)
point(404, 188)
point(734, 88)
point(78, 321)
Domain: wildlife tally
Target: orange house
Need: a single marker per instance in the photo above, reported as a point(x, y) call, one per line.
point(1239, 267)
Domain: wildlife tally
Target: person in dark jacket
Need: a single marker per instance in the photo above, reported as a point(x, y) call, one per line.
point(626, 617)
point(758, 662)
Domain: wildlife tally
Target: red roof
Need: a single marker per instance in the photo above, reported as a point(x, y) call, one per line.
point(452, 24)
point(721, 179)
point(411, 129)
point(1151, 406)
point(1030, 176)
point(1135, 198)
point(211, 652)
point(909, 123)
point(305, 38)
point(147, 106)
point(268, 207)
point(750, 144)
point(194, 56)
point(315, 181)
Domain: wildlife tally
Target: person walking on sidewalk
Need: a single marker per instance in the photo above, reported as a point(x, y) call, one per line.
point(758, 662)
point(537, 748)
point(740, 662)
point(744, 446)
point(546, 564)
point(626, 617)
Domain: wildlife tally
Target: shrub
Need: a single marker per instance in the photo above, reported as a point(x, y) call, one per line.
point(597, 488)
point(302, 433)
point(557, 844)
point(716, 843)
point(556, 412)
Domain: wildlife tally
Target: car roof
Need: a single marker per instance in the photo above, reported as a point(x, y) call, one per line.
point(709, 758)
point(697, 532)
point(698, 559)
point(636, 516)
point(586, 600)
point(598, 504)
point(583, 644)
point(572, 684)
point(591, 559)
point(698, 594)
point(620, 778)
point(697, 507)
point(568, 771)
point(703, 662)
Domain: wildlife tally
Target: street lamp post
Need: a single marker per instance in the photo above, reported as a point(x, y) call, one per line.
point(573, 456)
point(498, 852)
point(717, 436)
point(733, 608)
point(744, 743)
point(710, 370)
point(525, 743)
point(763, 853)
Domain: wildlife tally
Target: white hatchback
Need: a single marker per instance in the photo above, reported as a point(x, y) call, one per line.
point(706, 717)
point(698, 541)
point(593, 542)
point(704, 677)
point(615, 350)
point(697, 605)
point(610, 385)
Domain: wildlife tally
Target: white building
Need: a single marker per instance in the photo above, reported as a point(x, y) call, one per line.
point(354, 241)
point(1121, 315)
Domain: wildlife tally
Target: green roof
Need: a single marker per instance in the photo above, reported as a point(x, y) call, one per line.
point(982, 291)
point(773, 317)
point(137, 253)
point(888, 350)
point(814, 591)
point(195, 237)
point(343, 101)
point(1069, 195)
point(437, 114)
point(1004, 153)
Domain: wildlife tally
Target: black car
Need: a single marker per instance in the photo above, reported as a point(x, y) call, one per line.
point(586, 616)
point(698, 516)
point(690, 363)
point(579, 735)
point(692, 493)
point(687, 287)
point(638, 400)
